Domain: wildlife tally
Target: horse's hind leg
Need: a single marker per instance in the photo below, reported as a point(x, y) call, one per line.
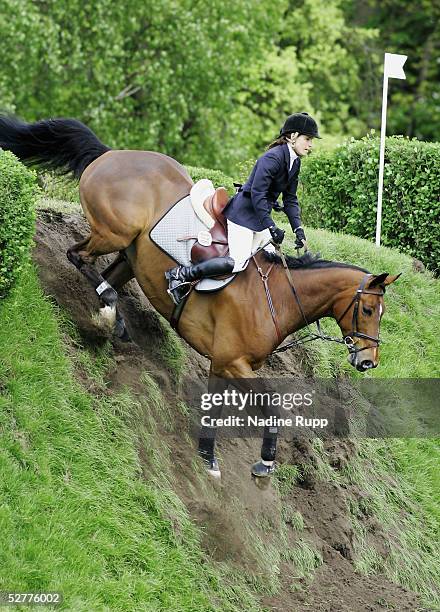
point(83, 255)
point(117, 274)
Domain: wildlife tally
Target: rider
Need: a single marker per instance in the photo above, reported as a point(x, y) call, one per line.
point(248, 213)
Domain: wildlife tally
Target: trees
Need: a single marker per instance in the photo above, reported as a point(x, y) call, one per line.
point(413, 29)
point(153, 75)
point(211, 83)
point(312, 65)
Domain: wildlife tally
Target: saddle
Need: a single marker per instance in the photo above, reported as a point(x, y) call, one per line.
point(212, 242)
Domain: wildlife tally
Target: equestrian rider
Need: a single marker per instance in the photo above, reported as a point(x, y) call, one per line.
point(248, 213)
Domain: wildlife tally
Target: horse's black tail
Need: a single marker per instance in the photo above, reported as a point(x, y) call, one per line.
point(64, 144)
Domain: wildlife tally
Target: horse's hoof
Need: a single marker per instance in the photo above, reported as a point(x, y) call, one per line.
point(106, 317)
point(261, 470)
point(125, 337)
point(212, 468)
point(120, 331)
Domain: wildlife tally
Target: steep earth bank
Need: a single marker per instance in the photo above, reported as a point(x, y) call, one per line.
point(293, 540)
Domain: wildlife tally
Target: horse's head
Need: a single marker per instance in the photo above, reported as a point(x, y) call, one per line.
point(358, 314)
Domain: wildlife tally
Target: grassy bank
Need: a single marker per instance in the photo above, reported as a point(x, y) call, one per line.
point(410, 349)
point(75, 514)
point(132, 549)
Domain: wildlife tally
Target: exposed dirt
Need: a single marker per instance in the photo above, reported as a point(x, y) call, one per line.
point(235, 513)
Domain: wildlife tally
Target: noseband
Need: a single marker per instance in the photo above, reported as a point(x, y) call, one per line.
point(349, 338)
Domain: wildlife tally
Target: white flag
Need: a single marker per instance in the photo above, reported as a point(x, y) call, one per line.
point(394, 66)
point(393, 69)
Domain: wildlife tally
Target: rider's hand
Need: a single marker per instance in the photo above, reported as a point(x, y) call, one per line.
point(277, 234)
point(300, 237)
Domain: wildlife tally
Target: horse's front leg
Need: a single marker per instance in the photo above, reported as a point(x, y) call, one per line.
point(238, 373)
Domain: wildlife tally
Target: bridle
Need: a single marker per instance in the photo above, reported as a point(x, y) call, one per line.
point(349, 340)
point(354, 333)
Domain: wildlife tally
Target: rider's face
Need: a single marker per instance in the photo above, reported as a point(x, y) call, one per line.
point(303, 145)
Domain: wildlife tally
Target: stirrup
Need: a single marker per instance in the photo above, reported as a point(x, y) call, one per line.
point(177, 299)
point(261, 470)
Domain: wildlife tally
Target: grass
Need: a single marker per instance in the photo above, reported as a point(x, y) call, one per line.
point(407, 510)
point(399, 476)
point(305, 559)
point(59, 188)
point(75, 514)
point(172, 352)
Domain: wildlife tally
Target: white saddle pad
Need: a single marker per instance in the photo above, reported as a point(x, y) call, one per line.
point(171, 232)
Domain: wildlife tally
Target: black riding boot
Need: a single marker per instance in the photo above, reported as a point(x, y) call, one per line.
point(180, 277)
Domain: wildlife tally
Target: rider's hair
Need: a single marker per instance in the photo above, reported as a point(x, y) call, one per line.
point(279, 141)
point(285, 138)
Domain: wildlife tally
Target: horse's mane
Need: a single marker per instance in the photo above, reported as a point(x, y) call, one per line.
point(307, 261)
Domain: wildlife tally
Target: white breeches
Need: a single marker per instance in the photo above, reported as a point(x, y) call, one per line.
point(243, 242)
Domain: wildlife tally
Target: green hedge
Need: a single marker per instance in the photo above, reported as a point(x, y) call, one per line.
point(340, 193)
point(216, 176)
point(18, 191)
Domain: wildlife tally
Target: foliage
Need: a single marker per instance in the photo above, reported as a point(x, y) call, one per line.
point(208, 84)
point(149, 75)
point(412, 29)
point(18, 191)
point(340, 189)
point(218, 178)
point(312, 65)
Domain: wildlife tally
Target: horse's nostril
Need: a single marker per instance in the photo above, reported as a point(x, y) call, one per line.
point(367, 364)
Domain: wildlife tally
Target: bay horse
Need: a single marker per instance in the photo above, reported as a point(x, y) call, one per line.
point(124, 193)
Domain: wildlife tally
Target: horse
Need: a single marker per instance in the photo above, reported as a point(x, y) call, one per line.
point(124, 193)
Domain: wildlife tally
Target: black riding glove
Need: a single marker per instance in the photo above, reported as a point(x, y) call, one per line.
point(300, 238)
point(277, 234)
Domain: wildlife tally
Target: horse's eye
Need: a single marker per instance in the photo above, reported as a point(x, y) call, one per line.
point(367, 311)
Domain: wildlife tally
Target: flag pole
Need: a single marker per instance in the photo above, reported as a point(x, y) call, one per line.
point(383, 132)
point(392, 69)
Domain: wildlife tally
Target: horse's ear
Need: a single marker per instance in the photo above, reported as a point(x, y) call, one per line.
point(382, 280)
point(391, 278)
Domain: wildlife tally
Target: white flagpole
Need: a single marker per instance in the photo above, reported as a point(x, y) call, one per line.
point(393, 68)
point(383, 132)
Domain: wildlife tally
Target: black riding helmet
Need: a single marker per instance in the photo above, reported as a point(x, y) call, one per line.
point(302, 123)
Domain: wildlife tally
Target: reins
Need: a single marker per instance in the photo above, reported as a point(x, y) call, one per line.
point(309, 336)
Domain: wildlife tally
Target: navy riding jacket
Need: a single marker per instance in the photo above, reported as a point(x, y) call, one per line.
point(252, 205)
